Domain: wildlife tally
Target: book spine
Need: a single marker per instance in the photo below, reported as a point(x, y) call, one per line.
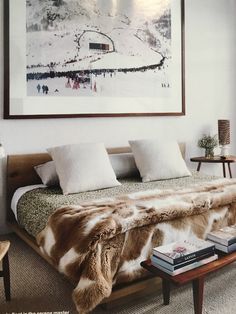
point(195, 265)
point(184, 257)
point(171, 267)
point(162, 256)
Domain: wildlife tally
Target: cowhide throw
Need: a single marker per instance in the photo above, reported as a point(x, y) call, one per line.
point(102, 242)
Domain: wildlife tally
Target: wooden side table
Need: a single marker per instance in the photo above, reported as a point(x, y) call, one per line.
point(5, 273)
point(217, 160)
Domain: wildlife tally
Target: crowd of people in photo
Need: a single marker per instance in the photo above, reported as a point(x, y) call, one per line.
point(73, 83)
point(77, 83)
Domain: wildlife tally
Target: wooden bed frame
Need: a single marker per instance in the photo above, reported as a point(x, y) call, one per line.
point(20, 172)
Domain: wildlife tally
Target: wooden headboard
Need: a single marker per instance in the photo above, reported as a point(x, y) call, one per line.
point(20, 171)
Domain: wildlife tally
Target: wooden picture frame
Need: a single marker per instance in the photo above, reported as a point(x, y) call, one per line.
point(111, 88)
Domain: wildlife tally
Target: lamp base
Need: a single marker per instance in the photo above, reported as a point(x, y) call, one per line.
point(224, 151)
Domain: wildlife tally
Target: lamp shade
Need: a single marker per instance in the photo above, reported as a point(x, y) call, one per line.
point(224, 132)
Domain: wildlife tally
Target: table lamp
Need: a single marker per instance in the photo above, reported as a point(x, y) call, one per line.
point(224, 137)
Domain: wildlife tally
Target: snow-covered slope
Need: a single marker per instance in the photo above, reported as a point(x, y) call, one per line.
point(59, 33)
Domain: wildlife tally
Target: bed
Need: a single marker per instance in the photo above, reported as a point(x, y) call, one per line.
point(212, 205)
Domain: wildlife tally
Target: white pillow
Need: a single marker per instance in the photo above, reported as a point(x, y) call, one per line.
point(124, 165)
point(158, 159)
point(83, 167)
point(47, 173)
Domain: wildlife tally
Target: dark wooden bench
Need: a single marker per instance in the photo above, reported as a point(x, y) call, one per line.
point(196, 276)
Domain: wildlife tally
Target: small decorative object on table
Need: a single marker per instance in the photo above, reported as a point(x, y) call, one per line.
point(209, 143)
point(224, 137)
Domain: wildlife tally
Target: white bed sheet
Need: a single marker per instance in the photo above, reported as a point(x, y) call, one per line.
point(21, 191)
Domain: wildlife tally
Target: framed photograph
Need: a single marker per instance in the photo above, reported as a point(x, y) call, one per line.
point(76, 58)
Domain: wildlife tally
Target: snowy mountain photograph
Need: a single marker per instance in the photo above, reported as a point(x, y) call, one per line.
point(101, 48)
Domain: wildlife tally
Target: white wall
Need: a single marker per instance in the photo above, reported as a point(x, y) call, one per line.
point(210, 94)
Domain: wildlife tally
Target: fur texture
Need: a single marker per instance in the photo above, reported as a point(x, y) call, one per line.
point(100, 243)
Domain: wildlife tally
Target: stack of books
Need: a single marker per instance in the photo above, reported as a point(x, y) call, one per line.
point(178, 257)
point(224, 239)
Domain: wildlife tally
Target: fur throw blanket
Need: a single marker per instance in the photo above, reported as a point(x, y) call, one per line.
point(99, 243)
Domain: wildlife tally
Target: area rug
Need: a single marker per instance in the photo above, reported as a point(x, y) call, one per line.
point(37, 288)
